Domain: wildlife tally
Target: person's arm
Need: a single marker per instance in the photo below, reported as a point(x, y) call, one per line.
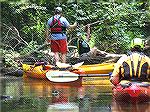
point(73, 26)
point(115, 77)
point(68, 25)
point(88, 32)
point(47, 33)
point(148, 71)
point(114, 55)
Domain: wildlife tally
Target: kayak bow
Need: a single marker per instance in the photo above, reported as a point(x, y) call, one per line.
point(132, 92)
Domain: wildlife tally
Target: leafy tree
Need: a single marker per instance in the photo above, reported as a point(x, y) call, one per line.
point(120, 20)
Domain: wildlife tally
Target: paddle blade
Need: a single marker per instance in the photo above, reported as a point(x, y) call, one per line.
point(62, 65)
point(77, 65)
point(61, 76)
point(65, 65)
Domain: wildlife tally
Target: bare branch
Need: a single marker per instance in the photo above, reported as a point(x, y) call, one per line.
point(19, 35)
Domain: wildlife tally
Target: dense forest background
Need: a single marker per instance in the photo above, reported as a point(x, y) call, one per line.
point(23, 23)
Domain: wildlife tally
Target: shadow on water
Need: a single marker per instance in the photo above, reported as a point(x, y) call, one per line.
point(29, 95)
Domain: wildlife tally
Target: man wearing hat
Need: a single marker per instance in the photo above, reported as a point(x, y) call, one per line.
point(56, 34)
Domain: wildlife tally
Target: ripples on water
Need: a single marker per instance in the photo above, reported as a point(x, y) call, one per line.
point(31, 95)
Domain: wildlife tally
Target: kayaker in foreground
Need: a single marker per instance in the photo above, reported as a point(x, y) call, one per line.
point(132, 67)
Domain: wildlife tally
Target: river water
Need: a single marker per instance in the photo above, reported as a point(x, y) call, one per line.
point(32, 95)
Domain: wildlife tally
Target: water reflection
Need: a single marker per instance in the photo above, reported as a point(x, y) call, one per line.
point(44, 88)
point(129, 107)
point(11, 86)
point(42, 95)
point(64, 107)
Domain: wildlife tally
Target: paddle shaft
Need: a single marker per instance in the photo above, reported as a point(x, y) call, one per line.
point(81, 75)
point(93, 75)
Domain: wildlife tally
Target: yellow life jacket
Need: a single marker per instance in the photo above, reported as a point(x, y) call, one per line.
point(136, 67)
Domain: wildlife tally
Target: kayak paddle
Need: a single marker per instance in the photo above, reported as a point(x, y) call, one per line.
point(66, 76)
point(61, 76)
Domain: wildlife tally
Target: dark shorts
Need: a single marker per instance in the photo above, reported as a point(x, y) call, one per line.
point(59, 46)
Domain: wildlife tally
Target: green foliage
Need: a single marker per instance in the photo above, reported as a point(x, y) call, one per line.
point(9, 56)
point(28, 49)
point(29, 19)
point(120, 21)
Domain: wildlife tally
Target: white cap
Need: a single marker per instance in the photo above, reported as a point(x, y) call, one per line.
point(58, 9)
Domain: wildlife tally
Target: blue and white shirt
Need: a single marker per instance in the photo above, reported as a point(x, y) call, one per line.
point(64, 22)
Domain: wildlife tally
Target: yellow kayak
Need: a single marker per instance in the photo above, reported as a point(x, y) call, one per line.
point(103, 68)
point(34, 72)
point(39, 72)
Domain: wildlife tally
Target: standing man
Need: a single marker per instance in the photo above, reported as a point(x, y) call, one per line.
point(56, 34)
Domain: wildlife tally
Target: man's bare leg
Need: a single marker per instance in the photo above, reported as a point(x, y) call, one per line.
point(63, 58)
point(56, 56)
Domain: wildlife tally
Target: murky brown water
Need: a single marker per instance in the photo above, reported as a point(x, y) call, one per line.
point(32, 95)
